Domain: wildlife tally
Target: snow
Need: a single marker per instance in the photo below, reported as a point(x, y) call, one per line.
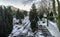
point(15, 20)
point(53, 29)
point(24, 28)
point(39, 34)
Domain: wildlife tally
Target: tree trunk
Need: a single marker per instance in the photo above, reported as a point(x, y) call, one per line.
point(47, 20)
point(57, 16)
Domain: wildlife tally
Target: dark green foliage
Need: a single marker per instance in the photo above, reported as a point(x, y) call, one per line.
point(50, 16)
point(34, 26)
point(33, 13)
point(33, 17)
point(6, 21)
point(25, 13)
point(10, 11)
point(40, 16)
point(19, 15)
point(1, 10)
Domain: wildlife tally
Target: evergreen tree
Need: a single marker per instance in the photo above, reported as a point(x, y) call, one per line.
point(9, 18)
point(51, 18)
point(41, 15)
point(19, 15)
point(1, 10)
point(51, 14)
point(25, 13)
point(6, 21)
point(33, 17)
point(33, 14)
point(34, 26)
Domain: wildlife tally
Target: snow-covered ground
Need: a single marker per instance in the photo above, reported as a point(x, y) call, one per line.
point(24, 28)
point(53, 29)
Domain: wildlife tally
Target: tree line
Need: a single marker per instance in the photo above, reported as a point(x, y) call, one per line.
point(6, 18)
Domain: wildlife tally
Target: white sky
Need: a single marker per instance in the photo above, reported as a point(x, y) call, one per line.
point(22, 4)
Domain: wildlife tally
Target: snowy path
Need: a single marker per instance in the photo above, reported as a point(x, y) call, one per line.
point(53, 29)
point(25, 30)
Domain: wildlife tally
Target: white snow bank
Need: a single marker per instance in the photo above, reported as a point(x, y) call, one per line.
point(53, 29)
point(25, 28)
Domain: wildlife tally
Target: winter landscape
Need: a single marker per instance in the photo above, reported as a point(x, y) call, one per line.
point(29, 18)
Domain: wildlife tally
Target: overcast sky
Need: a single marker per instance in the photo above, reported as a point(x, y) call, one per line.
point(22, 4)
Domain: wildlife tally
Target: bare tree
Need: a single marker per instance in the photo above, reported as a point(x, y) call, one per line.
point(45, 8)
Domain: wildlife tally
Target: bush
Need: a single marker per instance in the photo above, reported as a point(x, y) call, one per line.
point(33, 13)
point(41, 16)
point(51, 18)
point(33, 17)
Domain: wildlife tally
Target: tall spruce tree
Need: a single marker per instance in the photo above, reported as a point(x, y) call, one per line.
point(33, 13)
point(6, 21)
point(19, 15)
point(33, 17)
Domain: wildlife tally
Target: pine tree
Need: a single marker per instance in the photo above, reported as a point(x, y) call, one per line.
point(33, 13)
point(9, 19)
point(19, 15)
point(6, 23)
point(51, 18)
point(33, 17)
point(25, 13)
point(41, 16)
point(34, 26)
